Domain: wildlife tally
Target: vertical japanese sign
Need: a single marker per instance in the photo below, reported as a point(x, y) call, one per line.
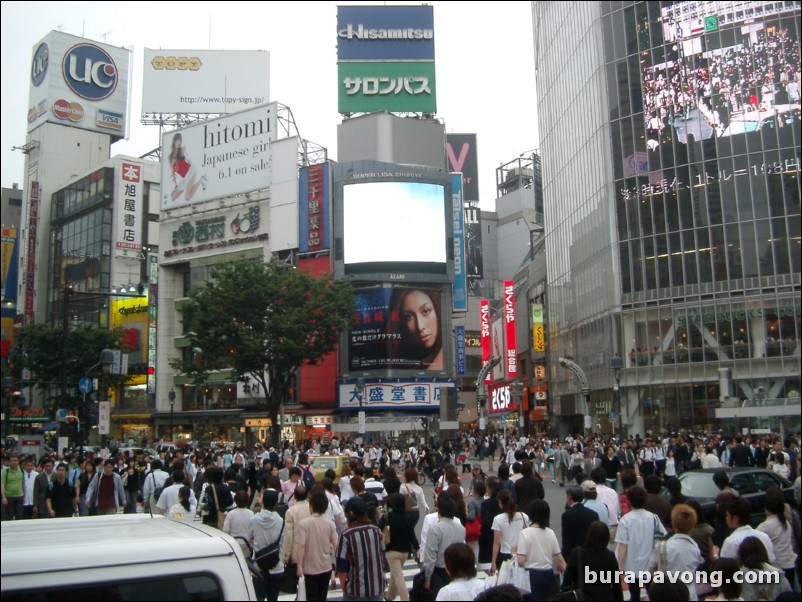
point(460, 287)
point(30, 268)
point(314, 207)
point(511, 353)
point(538, 329)
point(153, 309)
point(128, 203)
point(484, 333)
point(460, 336)
point(103, 417)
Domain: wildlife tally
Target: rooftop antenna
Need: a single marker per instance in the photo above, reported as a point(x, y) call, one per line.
point(104, 36)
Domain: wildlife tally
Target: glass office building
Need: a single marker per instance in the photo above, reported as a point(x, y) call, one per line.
point(670, 135)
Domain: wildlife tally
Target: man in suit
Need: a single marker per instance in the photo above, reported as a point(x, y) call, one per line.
point(575, 520)
point(40, 487)
point(740, 454)
point(591, 462)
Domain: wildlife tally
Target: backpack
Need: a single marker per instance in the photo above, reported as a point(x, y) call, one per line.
point(308, 478)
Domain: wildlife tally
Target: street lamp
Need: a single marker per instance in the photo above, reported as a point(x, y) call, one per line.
point(616, 363)
point(171, 397)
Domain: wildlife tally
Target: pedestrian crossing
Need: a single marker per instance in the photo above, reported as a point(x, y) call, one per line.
point(410, 570)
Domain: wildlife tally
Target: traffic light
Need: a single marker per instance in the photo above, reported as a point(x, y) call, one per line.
point(151, 370)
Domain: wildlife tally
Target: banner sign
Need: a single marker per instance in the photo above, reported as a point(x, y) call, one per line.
point(460, 287)
point(401, 395)
point(127, 204)
point(511, 352)
point(538, 328)
point(460, 339)
point(314, 203)
point(462, 158)
point(484, 333)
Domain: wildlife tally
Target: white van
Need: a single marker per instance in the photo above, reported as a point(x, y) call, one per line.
point(120, 557)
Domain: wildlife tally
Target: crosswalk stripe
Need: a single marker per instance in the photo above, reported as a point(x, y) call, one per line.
point(410, 570)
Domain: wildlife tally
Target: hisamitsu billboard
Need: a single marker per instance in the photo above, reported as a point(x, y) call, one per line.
point(385, 33)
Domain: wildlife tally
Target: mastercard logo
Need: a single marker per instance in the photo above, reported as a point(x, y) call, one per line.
point(68, 110)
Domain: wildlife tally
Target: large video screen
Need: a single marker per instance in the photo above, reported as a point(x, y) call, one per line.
point(397, 328)
point(723, 75)
point(394, 222)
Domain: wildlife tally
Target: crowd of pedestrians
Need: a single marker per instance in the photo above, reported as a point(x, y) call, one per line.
point(359, 527)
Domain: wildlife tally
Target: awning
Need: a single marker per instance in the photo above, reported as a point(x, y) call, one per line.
point(311, 411)
point(144, 416)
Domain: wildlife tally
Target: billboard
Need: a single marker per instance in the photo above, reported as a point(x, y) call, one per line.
point(474, 264)
point(538, 328)
point(397, 87)
point(216, 158)
point(462, 157)
point(315, 193)
point(395, 222)
point(226, 229)
point(500, 400)
point(79, 83)
point(385, 33)
point(421, 394)
point(397, 328)
point(511, 351)
point(204, 81)
point(132, 317)
point(128, 206)
point(460, 287)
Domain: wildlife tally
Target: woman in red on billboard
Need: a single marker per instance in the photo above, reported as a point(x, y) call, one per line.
point(415, 324)
point(184, 172)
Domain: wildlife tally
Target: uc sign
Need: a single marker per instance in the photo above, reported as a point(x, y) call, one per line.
point(90, 72)
point(501, 400)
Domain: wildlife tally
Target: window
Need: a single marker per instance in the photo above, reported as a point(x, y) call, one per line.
point(174, 587)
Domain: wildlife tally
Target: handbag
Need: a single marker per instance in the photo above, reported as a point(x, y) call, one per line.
point(289, 582)
point(576, 593)
point(519, 576)
point(267, 558)
point(417, 593)
point(473, 529)
point(221, 515)
point(659, 555)
point(410, 500)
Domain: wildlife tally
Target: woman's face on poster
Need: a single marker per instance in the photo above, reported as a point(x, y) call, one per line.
point(420, 318)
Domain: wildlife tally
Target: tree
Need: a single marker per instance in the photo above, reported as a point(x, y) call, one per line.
point(38, 348)
point(263, 322)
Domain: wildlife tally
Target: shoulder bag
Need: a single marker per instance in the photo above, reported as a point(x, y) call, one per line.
point(410, 499)
point(221, 515)
point(269, 556)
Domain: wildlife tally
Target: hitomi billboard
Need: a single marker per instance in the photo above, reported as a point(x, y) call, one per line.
point(204, 81)
point(221, 157)
point(79, 83)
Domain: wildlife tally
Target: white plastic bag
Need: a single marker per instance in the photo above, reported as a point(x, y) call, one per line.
point(301, 590)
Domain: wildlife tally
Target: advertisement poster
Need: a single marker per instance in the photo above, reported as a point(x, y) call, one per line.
point(397, 328)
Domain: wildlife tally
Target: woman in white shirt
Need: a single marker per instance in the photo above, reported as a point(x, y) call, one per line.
point(345, 484)
point(461, 568)
point(182, 510)
point(238, 521)
point(539, 551)
point(411, 487)
point(777, 527)
point(507, 526)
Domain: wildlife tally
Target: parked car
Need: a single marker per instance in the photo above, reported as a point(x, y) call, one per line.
point(122, 557)
point(750, 483)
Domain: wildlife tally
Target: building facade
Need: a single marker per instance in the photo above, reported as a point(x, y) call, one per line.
point(679, 246)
